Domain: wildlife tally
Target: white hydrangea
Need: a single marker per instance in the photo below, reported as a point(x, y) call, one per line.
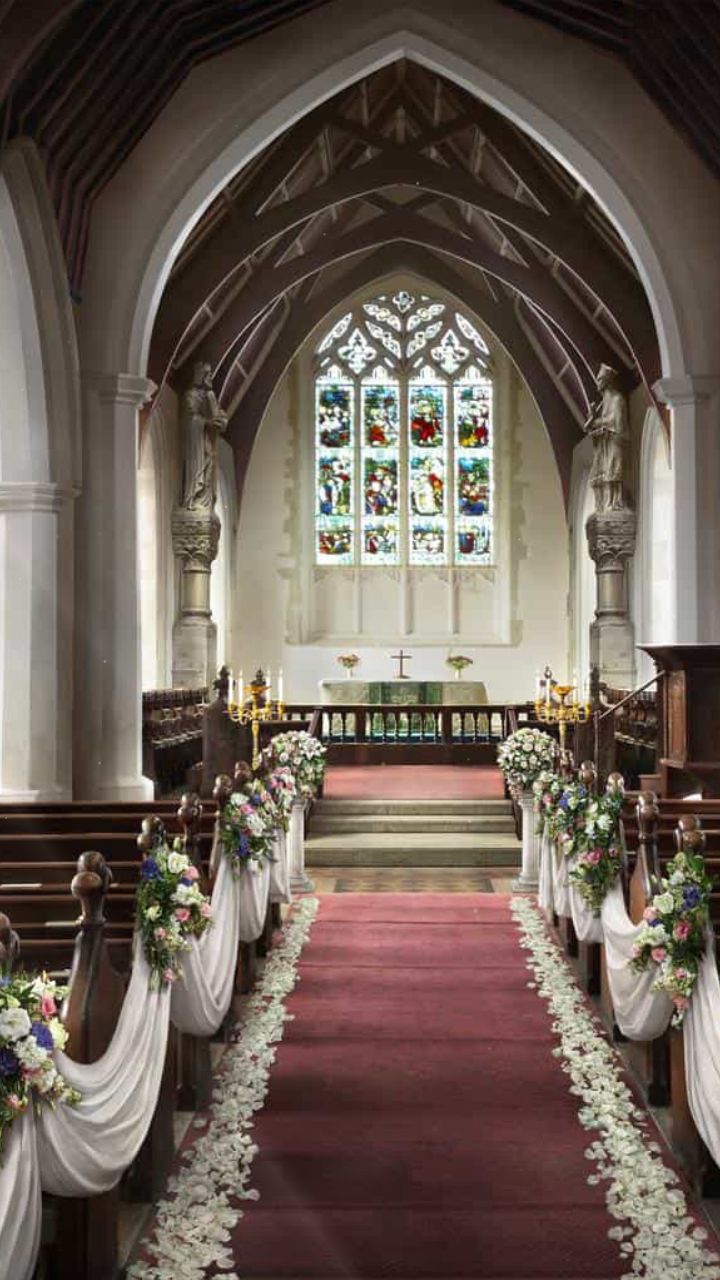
point(14, 1024)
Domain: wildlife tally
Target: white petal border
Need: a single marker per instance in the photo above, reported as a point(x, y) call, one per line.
point(658, 1237)
point(192, 1229)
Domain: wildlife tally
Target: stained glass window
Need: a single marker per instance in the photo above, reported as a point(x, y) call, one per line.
point(404, 437)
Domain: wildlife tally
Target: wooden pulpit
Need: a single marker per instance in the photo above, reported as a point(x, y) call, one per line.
point(689, 720)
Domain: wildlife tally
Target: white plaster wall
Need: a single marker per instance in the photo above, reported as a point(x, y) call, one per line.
point(290, 614)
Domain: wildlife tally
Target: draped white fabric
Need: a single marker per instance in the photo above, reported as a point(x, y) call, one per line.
point(20, 1204)
point(254, 897)
point(588, 926)
point(701, 1029)
point(280, 870)
point(561, 885)
point(201, 999)
point(83, 1150)
point(546, 895)
point(640, 1012)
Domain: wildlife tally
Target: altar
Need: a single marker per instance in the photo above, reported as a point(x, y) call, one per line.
point(403, 693)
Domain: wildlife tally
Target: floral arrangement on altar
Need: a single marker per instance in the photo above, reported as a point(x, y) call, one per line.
point(674, 928)
point(597, 842)
point(348, 661)
point(525, 755)
point(458, 662)
point(30, 1031)
point(304, 756)
point(171, 909)
point(249, 820)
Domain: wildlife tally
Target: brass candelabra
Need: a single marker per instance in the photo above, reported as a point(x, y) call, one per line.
point(561, 712)
point(254, 710)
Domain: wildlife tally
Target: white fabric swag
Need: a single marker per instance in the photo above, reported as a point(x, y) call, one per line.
point(200, 1001)
point(640, 1012)
point(254, 897)
point(561, 884)
point(701, 1028)
point(83, 1150)
point(20, 1202)
point(280, 870)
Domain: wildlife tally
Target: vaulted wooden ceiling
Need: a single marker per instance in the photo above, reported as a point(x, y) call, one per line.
point(86, 78)
point(405, 171)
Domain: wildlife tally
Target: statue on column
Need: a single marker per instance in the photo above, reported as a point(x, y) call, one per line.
point(202, 421)
point(607, 427)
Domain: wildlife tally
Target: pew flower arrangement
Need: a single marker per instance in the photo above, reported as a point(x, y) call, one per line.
point(597, 842)
point(567, 819)
point(304, 756)
point(281, 785)
point(171, 909)
point(30, 1031)
point(248, 823)
point(547, 789)
point(524, 755)
point(673, 930)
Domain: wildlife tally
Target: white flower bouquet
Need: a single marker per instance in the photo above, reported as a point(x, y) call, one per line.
point(30, 1032)
point(524, 756)
point(304, 756)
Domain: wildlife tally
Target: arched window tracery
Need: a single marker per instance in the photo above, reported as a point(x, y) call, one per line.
point(404, 436)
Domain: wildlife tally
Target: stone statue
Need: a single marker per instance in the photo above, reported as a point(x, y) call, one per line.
point(202, 421)
point(607, 426)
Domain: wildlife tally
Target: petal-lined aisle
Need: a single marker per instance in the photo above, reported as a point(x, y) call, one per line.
point(418, 1124)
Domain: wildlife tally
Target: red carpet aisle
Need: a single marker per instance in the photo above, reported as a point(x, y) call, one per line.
point(417, 1124)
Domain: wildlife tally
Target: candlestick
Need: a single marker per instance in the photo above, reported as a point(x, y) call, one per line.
point(280, 685)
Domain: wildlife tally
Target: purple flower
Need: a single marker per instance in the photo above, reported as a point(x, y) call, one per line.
point(9, 1065)
point(185, 880)
point(150, 870)
point(255, 801)
point(42, 1035)
point(5, 982)
point(243, 848)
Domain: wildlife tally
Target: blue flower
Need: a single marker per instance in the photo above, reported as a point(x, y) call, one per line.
point(150, 870)
point(691, 897)
point(243, 849)
point(42, 1035)
point(5, 982)
point(185, 880)
point(564, 800)
point(255, 801)
point(9, 1065)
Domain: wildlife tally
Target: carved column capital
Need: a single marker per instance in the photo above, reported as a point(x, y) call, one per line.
point(611, 538)
point(196, 536)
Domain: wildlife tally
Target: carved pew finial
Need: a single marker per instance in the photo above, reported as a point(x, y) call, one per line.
point(648, 819)
point(689, 835)
point(243, 775)
point(9, 946)
point(615, 785)
point(222, 790)
point(587, 775)
point(189, 816)
point(90, 885)
point(152, 833)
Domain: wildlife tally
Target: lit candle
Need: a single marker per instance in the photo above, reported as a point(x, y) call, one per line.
point(268, 681)
point(240, 689)
point(229, 686)
point(280, 685)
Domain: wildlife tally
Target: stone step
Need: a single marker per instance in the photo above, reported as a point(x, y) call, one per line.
point(454, 808)
point(412, 850)
point(325, 824)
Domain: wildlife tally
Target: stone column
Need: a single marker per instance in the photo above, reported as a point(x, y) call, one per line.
point(611, 542)
point(35, 642)
point(196, 534)
point(108, 687)
point(300, 882)
point(695, 405)
point(527, 881)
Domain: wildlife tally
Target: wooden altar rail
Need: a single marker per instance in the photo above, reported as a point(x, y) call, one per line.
point(418, 733)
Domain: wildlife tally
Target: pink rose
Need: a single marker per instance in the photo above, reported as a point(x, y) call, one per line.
point(247, 809)
point(206, 910)
point(160, 933)
point(681, 930)
point(182, 914)
point(191, 873)
point(15, 1103)
point(649, 914)
point(681, 1002)
point(658, 954)
point(48, 1008)
point(168, 975)
point(593, 856)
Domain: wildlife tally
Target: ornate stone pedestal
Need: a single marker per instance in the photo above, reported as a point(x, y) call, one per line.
point(611, 542)
point(527, 881)
point(196, 534)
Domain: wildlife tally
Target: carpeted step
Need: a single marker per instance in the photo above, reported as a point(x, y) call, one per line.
point(399, 808)
point(413, 849)
point(443, 824)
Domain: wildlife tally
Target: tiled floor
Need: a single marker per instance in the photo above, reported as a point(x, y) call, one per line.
point(412, 880)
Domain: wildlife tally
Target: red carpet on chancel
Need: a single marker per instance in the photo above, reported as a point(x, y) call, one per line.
point(414, 782)
point(417, 1124)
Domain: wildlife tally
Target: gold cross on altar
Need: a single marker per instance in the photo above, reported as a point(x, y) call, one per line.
point(402, 658)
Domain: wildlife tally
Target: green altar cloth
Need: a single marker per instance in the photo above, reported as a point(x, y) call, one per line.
point(403, 693)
